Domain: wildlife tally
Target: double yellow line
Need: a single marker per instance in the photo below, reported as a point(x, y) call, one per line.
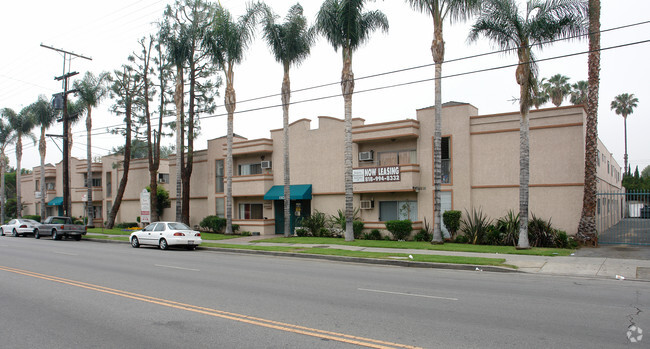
point(340, 337)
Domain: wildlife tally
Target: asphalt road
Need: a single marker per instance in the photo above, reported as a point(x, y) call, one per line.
point(68, 294)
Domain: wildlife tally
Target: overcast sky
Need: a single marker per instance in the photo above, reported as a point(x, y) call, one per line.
point(108, 32)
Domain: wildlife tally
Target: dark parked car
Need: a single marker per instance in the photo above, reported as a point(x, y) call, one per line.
point(645, 212)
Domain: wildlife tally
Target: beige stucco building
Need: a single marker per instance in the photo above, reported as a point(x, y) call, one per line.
point(393, 170)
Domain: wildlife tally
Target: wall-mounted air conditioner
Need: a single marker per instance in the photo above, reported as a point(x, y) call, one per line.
point(365, 155)
point(367, 204)
point(266, 164)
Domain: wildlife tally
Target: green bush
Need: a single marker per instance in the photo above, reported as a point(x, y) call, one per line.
point(461, 239)
point(493, 236)
point(400, 229)
point(125, 225)
point(451, 219)
point(33, 217)
point(357, 228)
point(508, 225)
point(423, 235)
point(214, 224)
point(373, 235)
point(338, 220)
point(302, 232)
point(540, 233)
point(475, 226)
point(314, 223)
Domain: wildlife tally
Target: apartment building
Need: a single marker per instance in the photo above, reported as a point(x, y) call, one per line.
point(393, 171)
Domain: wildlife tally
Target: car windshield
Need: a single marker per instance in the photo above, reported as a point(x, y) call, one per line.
point(178, 226)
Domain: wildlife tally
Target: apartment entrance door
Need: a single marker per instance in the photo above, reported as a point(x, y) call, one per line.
point(299, 209)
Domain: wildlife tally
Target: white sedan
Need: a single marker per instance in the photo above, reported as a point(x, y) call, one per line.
point(165, 234)
point(19, 226)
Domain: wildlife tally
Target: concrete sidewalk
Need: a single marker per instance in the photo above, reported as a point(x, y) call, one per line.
point(603, 267)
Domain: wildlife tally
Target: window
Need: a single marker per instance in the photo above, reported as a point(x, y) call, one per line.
point(149, 227)
point(97, 211)
point(109, 187)
point(49, 186)
point(109, 206)
point(37, 186)
point(218, 185)
point(392, 158)
point(95, 182)
point(250, 211)
point(446, 159)
point(598, 157)
point(392, 210)
point(163, 178)
point(160, 227)
point(220, 208)
point(250, 169)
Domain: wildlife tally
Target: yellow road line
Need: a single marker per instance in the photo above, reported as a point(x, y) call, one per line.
point(340, 337)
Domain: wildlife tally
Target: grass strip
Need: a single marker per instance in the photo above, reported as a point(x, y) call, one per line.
point(421, 245)
point(375, 255)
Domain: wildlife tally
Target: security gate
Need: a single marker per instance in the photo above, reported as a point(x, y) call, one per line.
point(623, 218)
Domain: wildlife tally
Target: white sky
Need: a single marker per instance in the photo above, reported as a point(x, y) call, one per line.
point(108, 32)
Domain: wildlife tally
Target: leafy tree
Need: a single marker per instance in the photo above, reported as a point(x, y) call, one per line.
point(558, 88)
point(345, 25)
point(226, 42)
point(439, 10)
point(542, 22)
point(162, 201)
point(624, 105)
point(587, 225)
point(22, 124)
point(91, 90)
point(44, 116)
point(7, 136)
point(125, 88)
point(290, 43)
point(645, 173)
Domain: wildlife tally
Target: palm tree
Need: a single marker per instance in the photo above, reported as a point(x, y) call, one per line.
point(290, 44)
point(91, 90)
point(7, 137)
point(557, 87)
point(226, 43)
point(542, 22)
point(579, 92)
point(22, 124)
point(624, 105)
point(345, 25)
point(539, 95)
point(439, 10)
point(587, 226)
point(44, 116)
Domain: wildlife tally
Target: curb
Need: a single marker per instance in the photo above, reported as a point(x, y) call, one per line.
point(398, 263)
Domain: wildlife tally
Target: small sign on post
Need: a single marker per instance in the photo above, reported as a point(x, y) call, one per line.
point(145, 207)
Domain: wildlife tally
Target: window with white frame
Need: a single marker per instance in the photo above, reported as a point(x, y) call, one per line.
point(398, 210)
point(250, 211)
point(220, 207)
point(250, 169)
point(218, 185)
point(401, 157)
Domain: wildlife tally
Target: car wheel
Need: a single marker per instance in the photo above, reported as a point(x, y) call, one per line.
point(14, 233)
point(2, 232)
point(55, 235)
point(77, 237)
point(135, 242)
point(163, 244)
point(37, 235)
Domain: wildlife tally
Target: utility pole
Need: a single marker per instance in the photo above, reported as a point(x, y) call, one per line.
point(67, 55)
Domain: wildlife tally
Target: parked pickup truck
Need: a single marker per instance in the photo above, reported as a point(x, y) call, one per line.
point(59, 227)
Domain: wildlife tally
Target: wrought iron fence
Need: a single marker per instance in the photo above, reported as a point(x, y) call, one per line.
point(623, 218)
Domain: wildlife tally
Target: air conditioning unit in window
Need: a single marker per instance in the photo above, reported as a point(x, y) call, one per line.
point(365, 155)
point(266, 164)
point(367, 204)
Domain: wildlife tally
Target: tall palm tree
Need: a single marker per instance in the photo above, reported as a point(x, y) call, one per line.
point(91, 90)
point(539, 95)
point(624, 105)
point(439, 10)
point(290, 43)
point(587, 226)
point(7, 137)
point(579, 92)
point(226, 42)
point(558, 88)
point(346, 26)
point(22, 124)
point(540, 23)
point(44, 116)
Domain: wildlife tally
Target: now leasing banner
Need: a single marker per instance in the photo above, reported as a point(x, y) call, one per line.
point(376, 174)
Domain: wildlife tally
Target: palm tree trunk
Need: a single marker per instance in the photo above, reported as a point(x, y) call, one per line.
point(42, 150)
point(347, 87)
point(523, 75)
point(625, 130)
point(438, 52)
point(89, 171)
point(19, 156)
point(286, 98)
point(587, 225)
point(178, 100)
point(3, 165)
point(230, 101)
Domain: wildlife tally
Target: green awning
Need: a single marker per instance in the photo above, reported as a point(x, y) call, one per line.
point(57, 201)
point(296, 192)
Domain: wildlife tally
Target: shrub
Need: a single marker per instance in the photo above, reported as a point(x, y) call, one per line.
point(461, 239)
point(214, 224)
point(302, 232)
point(561, 239)
point(357, 228)
point(423, 235)
point(126, 225)
point(338, 220)
point(246, 233)
point(540, 233)
point(373, 235)
point(33, 217)
point(314, 223)
point(400, 229)
point(451, 219)
point(508, 225)
point(475, 226)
